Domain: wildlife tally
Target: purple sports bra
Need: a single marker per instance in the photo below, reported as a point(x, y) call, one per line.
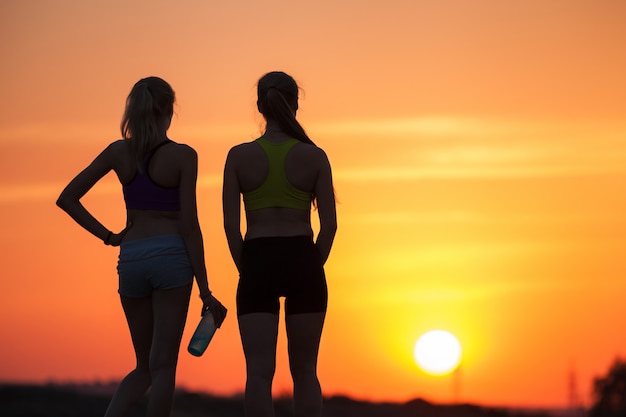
point(142, 193)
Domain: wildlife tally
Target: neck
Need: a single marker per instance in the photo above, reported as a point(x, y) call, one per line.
point(272, 127)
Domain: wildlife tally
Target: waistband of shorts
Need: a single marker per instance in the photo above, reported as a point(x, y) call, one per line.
point(308, 238)
point(172, 244)
point(279, 240)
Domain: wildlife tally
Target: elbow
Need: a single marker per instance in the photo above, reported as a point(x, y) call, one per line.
point(63, 202)
point(230, 227)
point(231, 233)
point(329, 227)
point(190, 229)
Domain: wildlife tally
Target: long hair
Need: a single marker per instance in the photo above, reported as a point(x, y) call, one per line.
point(277, 100)
point(149, 107)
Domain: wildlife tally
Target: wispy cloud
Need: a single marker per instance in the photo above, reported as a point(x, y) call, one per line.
point(16, 193)
point(426, 125)
point(210, 180)
point(448, 147)
point(26, 193)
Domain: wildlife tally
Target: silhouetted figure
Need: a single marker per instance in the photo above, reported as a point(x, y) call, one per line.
point(280, 175)
point(161, 248)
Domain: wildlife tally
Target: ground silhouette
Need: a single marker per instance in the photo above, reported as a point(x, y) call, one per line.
point(76, 400)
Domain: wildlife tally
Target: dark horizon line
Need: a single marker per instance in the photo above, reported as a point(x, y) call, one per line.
point(99, 387)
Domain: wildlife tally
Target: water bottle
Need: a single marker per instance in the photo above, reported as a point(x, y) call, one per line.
point(203, 334)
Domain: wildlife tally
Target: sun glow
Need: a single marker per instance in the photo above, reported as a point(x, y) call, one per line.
point(437, 352)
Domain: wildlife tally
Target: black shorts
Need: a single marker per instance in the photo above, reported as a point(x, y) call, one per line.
point(273, 267)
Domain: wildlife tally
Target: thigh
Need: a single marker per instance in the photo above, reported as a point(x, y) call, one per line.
point(259, 332)
point(133, 279)
point(304, 332)
point(170, 314)
point(138, 312)
point(257, 291)
point(255, 294)
point(307, 291)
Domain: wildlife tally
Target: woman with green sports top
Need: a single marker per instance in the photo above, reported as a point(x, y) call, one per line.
point(280, 175)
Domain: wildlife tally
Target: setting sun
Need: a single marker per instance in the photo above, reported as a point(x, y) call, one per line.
point(437, 352)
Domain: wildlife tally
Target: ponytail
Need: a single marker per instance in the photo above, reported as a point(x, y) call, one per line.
point(149, 107)
point(278, 101)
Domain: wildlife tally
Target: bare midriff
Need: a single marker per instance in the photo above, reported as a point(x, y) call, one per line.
point(278, 221)
point(149, 223)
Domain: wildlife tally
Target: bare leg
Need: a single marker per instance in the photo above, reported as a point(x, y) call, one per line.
point(259, 332)
point(170, 314)
point(156, 325)
point(138, 313)
point(304, 332)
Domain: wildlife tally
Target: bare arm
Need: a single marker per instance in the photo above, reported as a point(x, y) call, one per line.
point(190, 226)
point(231, 205)
point(192, 234)
point(325, 195)
point(69, 200)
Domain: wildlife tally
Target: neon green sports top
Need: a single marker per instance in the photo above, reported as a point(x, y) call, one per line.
point(277, 191)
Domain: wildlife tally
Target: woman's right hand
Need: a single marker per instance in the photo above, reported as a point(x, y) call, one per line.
point(117, 238)
point(215, 307)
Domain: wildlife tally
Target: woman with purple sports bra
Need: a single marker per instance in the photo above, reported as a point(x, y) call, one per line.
point(161, 248)
point(280, 175)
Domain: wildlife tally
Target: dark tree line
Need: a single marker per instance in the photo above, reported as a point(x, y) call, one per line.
point(60, 401)
point(609, 392)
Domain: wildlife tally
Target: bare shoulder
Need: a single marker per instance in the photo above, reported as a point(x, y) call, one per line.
point(115, 155)
point(242, 148)
point(182, 150)
point(312, 153)
point(243, 151)
point(118, 147)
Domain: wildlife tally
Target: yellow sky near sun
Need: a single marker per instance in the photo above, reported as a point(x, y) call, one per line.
point(478, 152)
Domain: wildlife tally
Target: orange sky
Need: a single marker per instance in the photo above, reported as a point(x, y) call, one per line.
point(479, 156)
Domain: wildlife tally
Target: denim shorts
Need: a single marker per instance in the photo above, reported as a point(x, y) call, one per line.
point(155, 263)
